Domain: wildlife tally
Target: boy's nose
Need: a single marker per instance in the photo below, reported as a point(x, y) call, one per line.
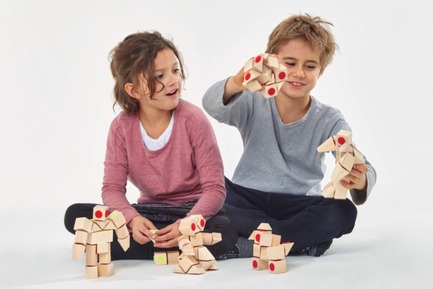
point(298, 72)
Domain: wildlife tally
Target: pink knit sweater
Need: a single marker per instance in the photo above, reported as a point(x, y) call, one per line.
point(188, 167)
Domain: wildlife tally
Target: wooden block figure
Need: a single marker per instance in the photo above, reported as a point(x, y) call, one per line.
point(94, 236)
point(268, 253)
point(195, 258)
point(346, 156)
point(264, 72)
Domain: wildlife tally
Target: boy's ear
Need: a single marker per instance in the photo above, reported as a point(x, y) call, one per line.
point(131, 91)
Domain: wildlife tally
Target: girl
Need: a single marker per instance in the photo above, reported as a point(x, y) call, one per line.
point(163, 145)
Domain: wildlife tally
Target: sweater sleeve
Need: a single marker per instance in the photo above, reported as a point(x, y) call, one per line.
point(116, 173)
point(209, 166)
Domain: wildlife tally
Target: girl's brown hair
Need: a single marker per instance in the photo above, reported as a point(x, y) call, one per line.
point(132, 59)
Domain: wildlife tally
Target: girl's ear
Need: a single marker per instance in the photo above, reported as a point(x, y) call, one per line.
point(131, 91)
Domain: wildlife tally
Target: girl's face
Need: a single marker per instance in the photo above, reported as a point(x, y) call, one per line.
point(168, 85)
point(303, 67)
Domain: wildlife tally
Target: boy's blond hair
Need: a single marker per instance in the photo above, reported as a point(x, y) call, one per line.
point(314, 30)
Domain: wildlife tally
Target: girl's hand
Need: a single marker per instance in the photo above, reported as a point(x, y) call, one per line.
point(356, 179)
point(167, 237)
point(141, 227)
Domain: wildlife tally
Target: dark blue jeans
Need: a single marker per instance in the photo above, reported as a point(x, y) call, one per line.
point(218, 224)
point(304, 220)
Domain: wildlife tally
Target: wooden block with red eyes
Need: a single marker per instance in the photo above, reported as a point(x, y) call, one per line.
point(264, 73)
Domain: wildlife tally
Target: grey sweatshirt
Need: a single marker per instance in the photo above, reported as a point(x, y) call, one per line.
point(278, 157)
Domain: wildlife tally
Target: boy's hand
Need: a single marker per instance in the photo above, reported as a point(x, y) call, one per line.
point(356, 179)
point(141, 227)
point(167, 237)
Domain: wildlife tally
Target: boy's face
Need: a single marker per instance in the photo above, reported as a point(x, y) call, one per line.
point(303, 67)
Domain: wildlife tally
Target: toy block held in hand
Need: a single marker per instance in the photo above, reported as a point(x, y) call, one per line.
point(346, 156)
point(264, 73)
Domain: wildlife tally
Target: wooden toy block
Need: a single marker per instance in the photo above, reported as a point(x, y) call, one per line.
point(100, 212)
point(259, 264)
point(178, 269)
point(256, 250)
point(78, 251)
point(173, 257)
point(253, 85)
point(124, 243)
point(278, 267)
point(91, 272)
point(263, 253)
point(196, 270)
point(100, 237)
point(275, 252)
point(83, 224)
point(103, 248)
point(196, 240)
point(188, 227)
point(105, 270)
point(251, 75)
point(272, 61)
point(117, 218)
point(204, 254)
point(206, 265)
point(186, 247)
point(276, 240)
point(287, 247)
point(264, 227)
point(122, 232)
point(81, 237)
point(187, 262)
point(105, 258)
point(264, 238)
point(160, 258)
point(346, 156)
point(91, 255)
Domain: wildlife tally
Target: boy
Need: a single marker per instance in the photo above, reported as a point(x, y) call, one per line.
point(278, 177)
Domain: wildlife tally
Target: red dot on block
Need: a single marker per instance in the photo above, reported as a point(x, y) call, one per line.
point(193, 226)
point(255, 264)
point(282, 75)
point(258, 237)
point(107, 213)
point(271, 91)
point(202, 223)
point(247, 76)
point(272, 266)
point(258, 59)
point(98, 214)
point(341, 140)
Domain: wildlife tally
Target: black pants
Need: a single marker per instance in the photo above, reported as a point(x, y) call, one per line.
point(304, 220)
point(218, 224)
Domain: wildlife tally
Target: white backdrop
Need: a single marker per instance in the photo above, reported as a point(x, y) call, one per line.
point(56, 91)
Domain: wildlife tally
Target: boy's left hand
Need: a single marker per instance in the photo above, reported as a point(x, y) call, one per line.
point(356, 179)
point(167, 237)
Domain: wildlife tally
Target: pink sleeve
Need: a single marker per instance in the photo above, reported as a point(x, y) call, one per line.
point(116, 173)
point(210, 167)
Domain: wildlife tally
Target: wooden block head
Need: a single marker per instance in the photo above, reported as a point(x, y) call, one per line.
point(100, 213)
point(343, 137)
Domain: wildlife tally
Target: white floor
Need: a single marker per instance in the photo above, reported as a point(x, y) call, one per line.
point(390, 252)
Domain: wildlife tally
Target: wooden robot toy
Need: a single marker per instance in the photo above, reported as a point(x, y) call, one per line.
point(264, 73)
point(195, 257)
point(268, 252)
point(346, 156)
point(94, 236)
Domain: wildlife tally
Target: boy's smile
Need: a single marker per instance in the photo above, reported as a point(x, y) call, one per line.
point(303, 67)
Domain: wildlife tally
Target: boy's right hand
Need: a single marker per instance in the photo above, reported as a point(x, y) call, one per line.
point(141, 227)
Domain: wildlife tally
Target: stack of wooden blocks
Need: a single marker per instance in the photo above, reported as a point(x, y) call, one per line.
point(94, 236)
point(268, 253)
point(264, 73)
point(346, 156)
point(195, 257)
